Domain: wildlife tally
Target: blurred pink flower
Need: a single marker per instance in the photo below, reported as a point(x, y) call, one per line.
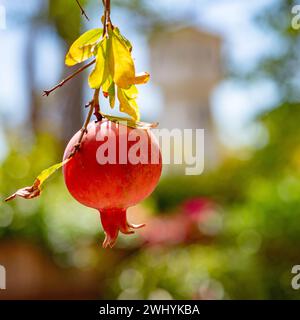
point(179, 227)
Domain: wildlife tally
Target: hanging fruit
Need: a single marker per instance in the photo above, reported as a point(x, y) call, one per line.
point(108, 184)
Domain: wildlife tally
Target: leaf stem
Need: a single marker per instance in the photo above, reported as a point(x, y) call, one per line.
point(82, 11)
point(47, 92)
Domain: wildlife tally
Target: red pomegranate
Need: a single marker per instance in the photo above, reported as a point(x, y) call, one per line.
point(112, 171)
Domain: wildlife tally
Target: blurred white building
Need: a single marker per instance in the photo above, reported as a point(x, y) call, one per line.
point(186, 64)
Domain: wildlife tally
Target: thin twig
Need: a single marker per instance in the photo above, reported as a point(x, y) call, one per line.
point(47, 92)
point(107, 20)
point(83, 13)
point(94, 105)
point(83, 131)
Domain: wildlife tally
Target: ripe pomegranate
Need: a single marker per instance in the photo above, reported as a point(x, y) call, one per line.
point(112, 187)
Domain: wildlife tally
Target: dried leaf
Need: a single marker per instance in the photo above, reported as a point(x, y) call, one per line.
point(83, 48)
point(35, 190)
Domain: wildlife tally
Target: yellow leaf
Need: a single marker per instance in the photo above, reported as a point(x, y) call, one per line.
point(123, 39)
point(83, 47)
point(131, 92)
point(45, 174)
point(108, 89)
point(99, 74)
point(141, 78)
point(35, 190)
point(106, 85)
point(120, 63)
point(112, 95)
point(128, 106)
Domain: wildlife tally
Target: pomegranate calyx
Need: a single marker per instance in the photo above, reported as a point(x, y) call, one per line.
point(113, 221)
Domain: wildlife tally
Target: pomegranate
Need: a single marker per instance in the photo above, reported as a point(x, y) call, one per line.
point(104, 174)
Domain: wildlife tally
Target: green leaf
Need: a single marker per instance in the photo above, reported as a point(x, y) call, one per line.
point(128, 105)
point(112, 94)
point(108, 89)
point(35, 190)
point(121, 64)
point(83, 48)
point(123, 39)
point(130, 123)
point(100, 72)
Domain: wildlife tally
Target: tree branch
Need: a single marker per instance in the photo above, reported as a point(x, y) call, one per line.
point(83, 13)
point(94, 105)
point(47, 92)
point(106, 4)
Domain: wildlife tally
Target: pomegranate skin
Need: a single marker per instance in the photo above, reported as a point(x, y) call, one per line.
point(111, 187)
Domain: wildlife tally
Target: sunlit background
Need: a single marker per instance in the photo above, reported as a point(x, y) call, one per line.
point(232, 232)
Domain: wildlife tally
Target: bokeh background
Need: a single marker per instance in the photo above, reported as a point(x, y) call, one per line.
point(229, 66)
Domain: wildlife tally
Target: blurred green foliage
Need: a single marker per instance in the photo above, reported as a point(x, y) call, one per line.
point(53, 220)
point(67, 28)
